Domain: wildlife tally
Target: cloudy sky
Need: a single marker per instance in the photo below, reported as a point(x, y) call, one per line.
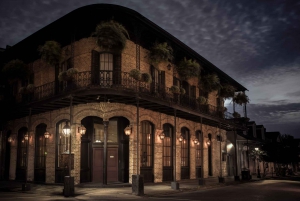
point(256, 42)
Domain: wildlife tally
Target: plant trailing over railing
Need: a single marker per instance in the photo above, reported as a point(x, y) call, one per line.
point(175, 89)
point(27, 89)
point(210, 82)
point(182, 91)
point(202, 100)
point(15, 69)
point(111, 36)
point(51, 52)
point(135, 74)
point(236, 115)
point(160, 52)
point(30, 88)
point(240, 98)
point(67, 75)
point(146, 77)
point(188, 68)
point(227, 91)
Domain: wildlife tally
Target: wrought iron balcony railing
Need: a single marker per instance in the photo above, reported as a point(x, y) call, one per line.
point(122, 81)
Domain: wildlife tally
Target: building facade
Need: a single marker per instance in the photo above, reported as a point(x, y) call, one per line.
point(172, 136)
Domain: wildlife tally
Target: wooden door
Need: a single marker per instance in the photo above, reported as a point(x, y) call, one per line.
point(112, 164)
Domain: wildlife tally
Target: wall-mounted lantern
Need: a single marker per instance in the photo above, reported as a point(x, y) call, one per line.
point(180, 138)
point(10, 139)
point(162, 135)
point(81, 130)
point(47, 135)
point(196, 141)
point(26, 136)
point(208, 142)
point(66, 130)
point(128, 130)
point(169, 66)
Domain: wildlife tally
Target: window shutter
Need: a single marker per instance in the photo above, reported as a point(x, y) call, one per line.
point(193, 91)
point(95, 67)
point(163, 78)
point(117, 69)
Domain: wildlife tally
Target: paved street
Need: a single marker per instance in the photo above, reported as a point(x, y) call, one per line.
point(287, 189)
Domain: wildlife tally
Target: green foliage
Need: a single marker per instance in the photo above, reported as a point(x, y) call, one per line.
point(227, 91)
point(257, 154)
point(236, 115)
point(67, 75)
point(111, 35)
point(30, 88)
point(188, 68)
point(15, 69)
point(146, 77)
point(182, 91)
point(210, 82)
point(135, 74)
point(202, 100)
point(160, 52)
point(240, 98)
point(51, 52)
point(175, 89)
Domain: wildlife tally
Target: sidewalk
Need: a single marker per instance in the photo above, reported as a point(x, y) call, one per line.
point(120, 189)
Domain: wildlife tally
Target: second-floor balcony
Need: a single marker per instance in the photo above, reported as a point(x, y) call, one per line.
point(117, 81)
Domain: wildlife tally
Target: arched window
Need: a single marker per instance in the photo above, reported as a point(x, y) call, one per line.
point(40, 149)
point(22, 154)
point(146, 151)
point(167, 145)
point(185, 153)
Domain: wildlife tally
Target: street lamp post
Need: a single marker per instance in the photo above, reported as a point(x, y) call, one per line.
point(257, 158)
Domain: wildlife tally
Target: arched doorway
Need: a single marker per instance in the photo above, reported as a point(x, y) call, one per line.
point(209, 156)
point(198, 153)
point(168, 152)
point(21, 155)
point(40, 154)
point(5, 163)
point(146, 153)
point(185, 153)
point(91, 162)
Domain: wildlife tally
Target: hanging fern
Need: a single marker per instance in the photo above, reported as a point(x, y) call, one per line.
point(202, 100)
point(51, 52)
point(210, 82)
point(111, 35)
point(30, 88)
point(135, 74)
point(146, 77)
point(175, 89)
point(15, 69)
point(182, 91)
point(188, 68)
point(227, 91)
point(160, 52)
point(240, 98)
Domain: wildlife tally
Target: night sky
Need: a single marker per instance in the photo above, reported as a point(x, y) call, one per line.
point(256, 42)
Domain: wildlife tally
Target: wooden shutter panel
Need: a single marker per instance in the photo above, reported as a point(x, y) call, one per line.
point(117, 69)
point(95, 67)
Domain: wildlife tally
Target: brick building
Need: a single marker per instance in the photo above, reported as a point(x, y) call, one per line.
point(104, 98)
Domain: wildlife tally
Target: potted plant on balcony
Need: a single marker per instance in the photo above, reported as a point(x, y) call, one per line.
point(30, 88)
point(227, 91)
point(188, 68)
point(160, 52)
point(68, 75)
point(240, 98)
point(182, 91)
point(51, 52)
point(175, 89)
point(111, 36)
point(146, 77)
point(236, 115)
point(210, 82)
point(15, 69)
point(202, 100)
point(135, 74)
